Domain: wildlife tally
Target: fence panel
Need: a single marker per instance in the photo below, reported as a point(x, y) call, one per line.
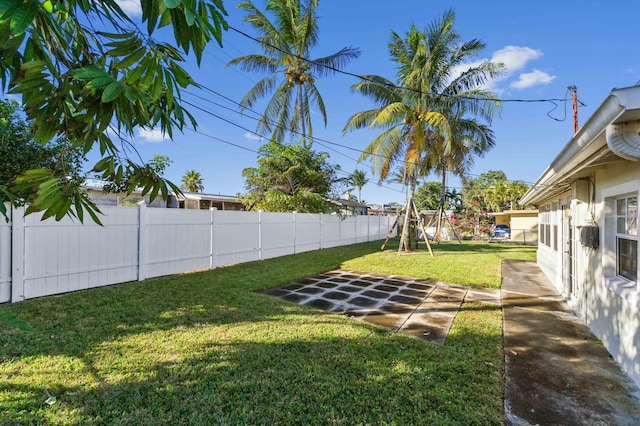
point(277, 234)
point(5, 257)
point(331, 225)
point(40, 258)
point(176, 241)
point(236, 237)
point(348, 231)
point(67, 255)
point(362, 229)
point(308, 230)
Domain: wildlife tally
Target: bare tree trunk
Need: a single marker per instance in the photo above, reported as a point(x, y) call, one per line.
point(440, 214)
point(301, 112)
point(405, 244)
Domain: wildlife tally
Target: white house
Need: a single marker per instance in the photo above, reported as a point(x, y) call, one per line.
point(588, 230)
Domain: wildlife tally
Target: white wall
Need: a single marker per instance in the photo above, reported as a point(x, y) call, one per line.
point(39, 258)
point(610, 306)
point(613, 306)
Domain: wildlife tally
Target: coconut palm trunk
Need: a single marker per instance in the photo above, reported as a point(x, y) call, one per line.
point(440, 215)
point(405, 242)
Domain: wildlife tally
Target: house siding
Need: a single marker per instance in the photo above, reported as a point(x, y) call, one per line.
point(613, 316)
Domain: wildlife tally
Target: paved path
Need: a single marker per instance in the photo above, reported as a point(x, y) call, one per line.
point(557, 372)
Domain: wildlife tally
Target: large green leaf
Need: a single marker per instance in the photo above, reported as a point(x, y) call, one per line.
point(23, 17)
point(112, 91)
point(172, 4)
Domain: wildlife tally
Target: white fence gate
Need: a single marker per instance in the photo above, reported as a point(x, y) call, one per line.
point(40, 258)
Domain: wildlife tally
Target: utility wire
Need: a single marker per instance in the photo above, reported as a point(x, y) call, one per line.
point(390, 85)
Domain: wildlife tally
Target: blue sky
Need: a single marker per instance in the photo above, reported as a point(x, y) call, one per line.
point(545, 46)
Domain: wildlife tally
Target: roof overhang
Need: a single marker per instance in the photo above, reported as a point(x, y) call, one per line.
point(211, 197)
point(611, 134)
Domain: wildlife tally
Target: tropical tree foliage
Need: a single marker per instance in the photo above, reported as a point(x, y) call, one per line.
point(429, 119)
point(358, 179)
point(19, 152)
point(428, 196)
point(157, 165)
point(84, 67)
point(493, 192)
point(192, 181)
point(287, 32)
point(290, 178)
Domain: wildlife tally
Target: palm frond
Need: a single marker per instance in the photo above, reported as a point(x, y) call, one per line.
point(261, 87)
point(331, 64)
point(257, 63)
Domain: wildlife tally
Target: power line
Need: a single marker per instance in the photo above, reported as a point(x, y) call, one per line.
point(391, 85)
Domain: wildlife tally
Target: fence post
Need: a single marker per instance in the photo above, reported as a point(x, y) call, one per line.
point(355, 229)
point(142, 236)
point(260, 234)
point(295, 248)
point(321, 219)
point(17, 254)
point(212, 243)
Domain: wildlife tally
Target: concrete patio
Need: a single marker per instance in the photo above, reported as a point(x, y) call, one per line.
point(423, 309)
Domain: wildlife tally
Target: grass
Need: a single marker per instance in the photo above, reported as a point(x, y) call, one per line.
point(471, 263)
point(208, 348)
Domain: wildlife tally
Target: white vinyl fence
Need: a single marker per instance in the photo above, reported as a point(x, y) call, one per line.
point(40, 258)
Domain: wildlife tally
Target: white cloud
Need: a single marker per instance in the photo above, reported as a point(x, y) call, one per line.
point(130, 7)
point(151, 135)
point(533, 78)
point(515, 58)
point(252, 136)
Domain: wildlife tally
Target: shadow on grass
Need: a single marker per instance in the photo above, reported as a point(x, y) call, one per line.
point(206, 348)
point(366, 376)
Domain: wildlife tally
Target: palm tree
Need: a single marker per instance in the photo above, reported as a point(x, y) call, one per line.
point(286, 41)
point(358, 179)
point(422, 114)
point(192, 182)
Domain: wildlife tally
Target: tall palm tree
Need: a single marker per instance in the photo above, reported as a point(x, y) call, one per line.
point(358, 179)
point(286, 41)
point(192, 182)
point(420, 116)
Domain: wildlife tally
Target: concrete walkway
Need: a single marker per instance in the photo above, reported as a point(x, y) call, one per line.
point(556, 370)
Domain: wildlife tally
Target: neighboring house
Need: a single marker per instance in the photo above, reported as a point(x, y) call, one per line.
point(188, 200)
point(384, 209)
point(94, 189)
point(201, 201)
point(523, 225)
point(588, 223)
point(350, 207)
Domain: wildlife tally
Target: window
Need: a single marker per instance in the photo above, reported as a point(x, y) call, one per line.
point(554, 219)
point(626, 225)
point(545, 225)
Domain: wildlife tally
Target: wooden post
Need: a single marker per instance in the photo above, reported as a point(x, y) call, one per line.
point(424, 232)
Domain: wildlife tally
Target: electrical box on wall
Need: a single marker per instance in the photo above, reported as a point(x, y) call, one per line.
point(590, 236)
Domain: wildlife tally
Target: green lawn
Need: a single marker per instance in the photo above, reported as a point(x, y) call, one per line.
point(208, 348)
